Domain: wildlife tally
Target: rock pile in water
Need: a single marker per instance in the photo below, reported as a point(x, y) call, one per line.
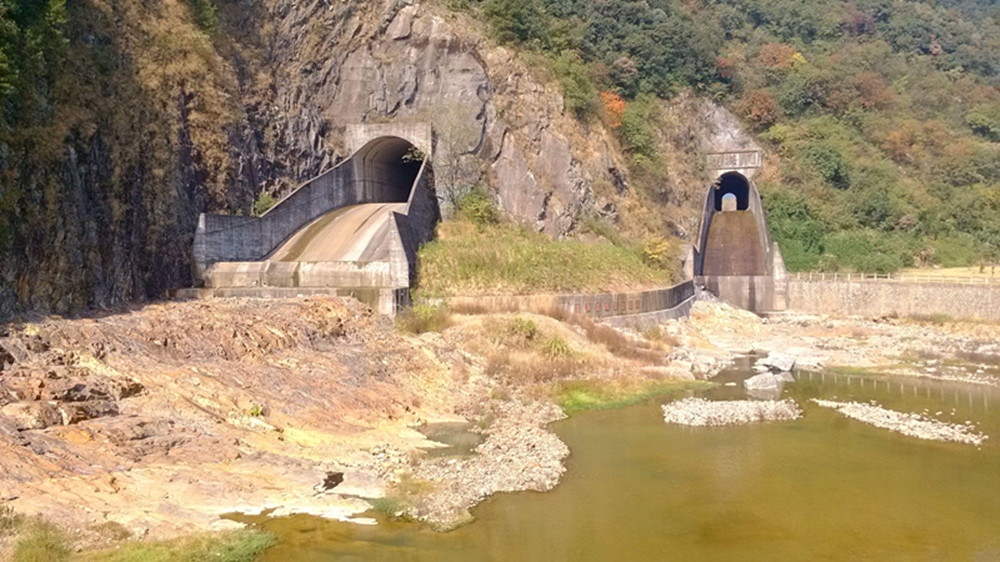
point(701, 412)
point(913, 425)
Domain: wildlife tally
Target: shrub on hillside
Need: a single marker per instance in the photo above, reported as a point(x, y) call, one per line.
point(477, 207)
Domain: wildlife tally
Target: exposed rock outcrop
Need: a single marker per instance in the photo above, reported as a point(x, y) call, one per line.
point(106, 213)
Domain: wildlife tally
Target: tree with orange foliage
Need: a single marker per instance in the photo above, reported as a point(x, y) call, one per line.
point(614, 108)
point(779, 55)
point(759, 107)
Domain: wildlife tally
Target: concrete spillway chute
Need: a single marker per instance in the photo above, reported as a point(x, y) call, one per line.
point(735, 257)
point(352, 230)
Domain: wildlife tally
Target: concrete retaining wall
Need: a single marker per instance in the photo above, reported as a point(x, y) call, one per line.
point(755, 293)
point(631, 308)
point(886, 297)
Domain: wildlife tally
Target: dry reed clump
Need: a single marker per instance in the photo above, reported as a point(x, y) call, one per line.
point(616, 342)
point(530, 368)
point(526, 355)
point(518, 332)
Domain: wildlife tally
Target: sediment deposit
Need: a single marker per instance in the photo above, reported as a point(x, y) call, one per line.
point(701, 412)
point(913, 425)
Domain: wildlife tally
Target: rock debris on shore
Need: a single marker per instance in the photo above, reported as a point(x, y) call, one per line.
point(701, 412)
point(519, 454)
point(913, 425)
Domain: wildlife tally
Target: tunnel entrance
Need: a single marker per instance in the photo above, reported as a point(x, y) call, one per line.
point(732, 240)
point(736, 185)
point(387, 167)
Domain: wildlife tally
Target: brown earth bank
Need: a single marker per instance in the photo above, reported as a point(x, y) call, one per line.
point(160, 419)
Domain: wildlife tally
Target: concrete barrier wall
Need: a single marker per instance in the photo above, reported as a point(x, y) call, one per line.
point(228, 238)
point(885, 297)
point(613, 307)
point(755, 293)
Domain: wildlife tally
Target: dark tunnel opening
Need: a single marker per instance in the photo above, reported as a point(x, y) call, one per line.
point(733, 184)
point(388, 166)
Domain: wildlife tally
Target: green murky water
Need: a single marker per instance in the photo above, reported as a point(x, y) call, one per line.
point(823, 487)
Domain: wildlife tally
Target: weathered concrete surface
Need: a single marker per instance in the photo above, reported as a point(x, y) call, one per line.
point(356, 233)
point(733, 246)
point(881, 297)
point(375, 174)
point(620, 309)
point(749, 292)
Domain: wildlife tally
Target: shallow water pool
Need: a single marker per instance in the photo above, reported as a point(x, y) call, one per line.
point(822, 487)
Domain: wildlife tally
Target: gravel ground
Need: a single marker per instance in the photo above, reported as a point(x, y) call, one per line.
point(913, 425)
point(701, 412)
point(519, 454)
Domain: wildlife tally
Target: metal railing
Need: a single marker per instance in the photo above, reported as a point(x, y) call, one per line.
point(900, 278)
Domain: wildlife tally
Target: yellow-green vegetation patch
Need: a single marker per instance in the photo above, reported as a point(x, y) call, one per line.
point(402, 495)
point(423, 318)
point(232, 546)
point(574, 396)
point(40, 541)
point(504, 258)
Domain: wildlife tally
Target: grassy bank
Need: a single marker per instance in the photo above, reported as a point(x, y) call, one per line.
point(34, 539)
point(243, 545)
point(505, 258)
point(574, 396)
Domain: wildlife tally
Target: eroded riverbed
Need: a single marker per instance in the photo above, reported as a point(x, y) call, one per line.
point(823, 486)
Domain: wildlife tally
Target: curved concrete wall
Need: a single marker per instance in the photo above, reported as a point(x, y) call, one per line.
point(637, 308)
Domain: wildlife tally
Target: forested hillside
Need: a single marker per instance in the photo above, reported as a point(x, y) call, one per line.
point(883, 116)
point(121, 120)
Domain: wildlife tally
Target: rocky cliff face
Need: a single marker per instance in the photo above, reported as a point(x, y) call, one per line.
point(157, 120)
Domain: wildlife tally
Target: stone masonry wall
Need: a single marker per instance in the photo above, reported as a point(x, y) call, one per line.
point(884, 297)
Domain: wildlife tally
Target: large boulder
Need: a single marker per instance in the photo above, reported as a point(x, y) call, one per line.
point(778, 362)
point(765, 386)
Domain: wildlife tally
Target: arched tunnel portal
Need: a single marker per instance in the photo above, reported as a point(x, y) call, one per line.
point(387, 167)
point(381, 177)
point(354, 229)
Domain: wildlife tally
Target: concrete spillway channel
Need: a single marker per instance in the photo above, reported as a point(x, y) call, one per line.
point(735, 258)
point(359, 233)
point(353, 230)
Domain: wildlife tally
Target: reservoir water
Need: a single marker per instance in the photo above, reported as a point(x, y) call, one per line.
point(822, 487)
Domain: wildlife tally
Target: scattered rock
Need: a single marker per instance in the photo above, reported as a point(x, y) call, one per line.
point(764, 381)
point(701, 412)
point(331, 481)
point(913, 425)
point(32, 415)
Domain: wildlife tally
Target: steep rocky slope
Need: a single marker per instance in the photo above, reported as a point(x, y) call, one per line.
point(155, 119)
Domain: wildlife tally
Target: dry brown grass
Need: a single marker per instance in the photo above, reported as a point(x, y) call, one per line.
point(524, 369)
